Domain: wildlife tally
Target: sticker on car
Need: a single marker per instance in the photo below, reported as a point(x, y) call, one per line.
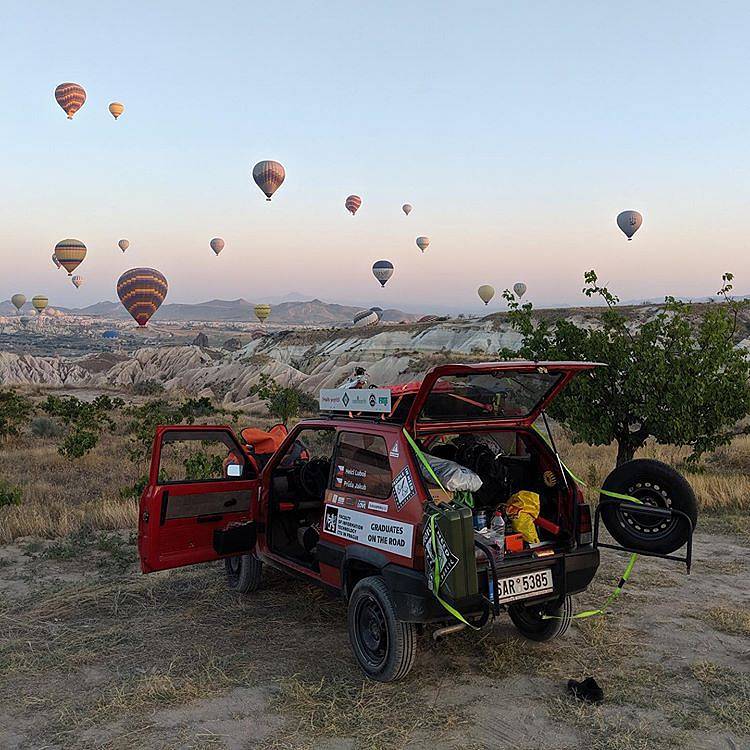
point(403, 488)
point(372, 531)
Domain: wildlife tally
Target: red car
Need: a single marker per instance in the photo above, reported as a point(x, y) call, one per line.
point(346, 500)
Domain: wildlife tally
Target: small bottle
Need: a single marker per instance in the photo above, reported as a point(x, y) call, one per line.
point(497, 528)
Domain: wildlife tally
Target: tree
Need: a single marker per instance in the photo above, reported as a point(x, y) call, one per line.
point(283, 402)
point(678, 377)
point(14, 412)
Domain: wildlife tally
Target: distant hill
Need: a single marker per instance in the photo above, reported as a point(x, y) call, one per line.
point(295, 312)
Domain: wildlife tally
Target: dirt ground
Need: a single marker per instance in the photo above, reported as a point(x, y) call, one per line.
point(95, 655)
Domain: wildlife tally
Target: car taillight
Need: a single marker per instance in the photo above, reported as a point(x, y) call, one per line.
point(584, 524)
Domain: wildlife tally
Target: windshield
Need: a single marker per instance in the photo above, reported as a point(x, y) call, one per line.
point(485, 395)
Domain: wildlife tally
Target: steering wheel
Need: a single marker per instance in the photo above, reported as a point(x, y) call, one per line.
point(313, 476)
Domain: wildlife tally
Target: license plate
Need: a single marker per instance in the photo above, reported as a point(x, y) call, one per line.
point(524, 585)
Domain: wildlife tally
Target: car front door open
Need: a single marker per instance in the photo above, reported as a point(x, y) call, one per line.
point(200, 501)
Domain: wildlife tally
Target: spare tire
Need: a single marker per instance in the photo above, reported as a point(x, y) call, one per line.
point(660, 486)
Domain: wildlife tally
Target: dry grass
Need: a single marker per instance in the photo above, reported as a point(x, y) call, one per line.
point(729, 620)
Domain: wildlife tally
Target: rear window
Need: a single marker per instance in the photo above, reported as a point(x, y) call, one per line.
point(361, 465)
point(478, 396)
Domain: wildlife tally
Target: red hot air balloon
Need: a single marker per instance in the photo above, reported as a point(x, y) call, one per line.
point(353, 202)
point(141, 291)
point(268, 176)
point(70, 96)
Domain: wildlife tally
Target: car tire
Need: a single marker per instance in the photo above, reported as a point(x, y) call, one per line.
point(653, 483)
point(531, 624)
point(384, 646)
point(243, 572)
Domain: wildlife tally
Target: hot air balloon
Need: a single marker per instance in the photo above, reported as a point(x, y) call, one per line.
point(352, 203)
point(486, 293)
point(111, 334)
point(141, 291)
point(262, 311)
point(123, 245)
point(70, 253)
point(39, 302)
point(630, 222)
point(378, 311)
point(18, 301)
point(70, 96)
point(268, 176)
point(55, 261)
point(217, 244)
point(116, 109)
point(423, 243)
point(519, 289)
point(406, 208)
point(365, 318)
point(382, 270)
point(77, 281)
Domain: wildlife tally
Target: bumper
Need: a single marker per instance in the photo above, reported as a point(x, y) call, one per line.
point(572, 572)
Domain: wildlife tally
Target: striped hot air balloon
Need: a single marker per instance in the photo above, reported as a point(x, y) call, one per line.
point(262, 311)
point(268, 176)
point(217, 244)
point(70, 96)
point(77, 281)
point(423, 243)
point(406, 208)
point(352, 203)
point(55, 261)
point(123, 245)
point(141, 291)
point(70, 253)
point(382, 270)
point(378, 311)
point(365, 318)
point(18, 300)
point(39, 302)
point(116, 109)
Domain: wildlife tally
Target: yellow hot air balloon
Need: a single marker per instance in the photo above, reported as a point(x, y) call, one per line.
point(486, 293)
point(70, 253)
point(39, 302)
point(116, 109)
point(262, 312)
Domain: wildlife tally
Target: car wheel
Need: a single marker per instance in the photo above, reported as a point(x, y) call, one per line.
point(660, 486)
point(243, 572)
point(385, 647)
point(531, 623)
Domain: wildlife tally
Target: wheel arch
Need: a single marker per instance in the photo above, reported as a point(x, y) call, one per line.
point(358, 563)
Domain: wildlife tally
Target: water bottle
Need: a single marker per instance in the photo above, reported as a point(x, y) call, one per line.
point(497, 529)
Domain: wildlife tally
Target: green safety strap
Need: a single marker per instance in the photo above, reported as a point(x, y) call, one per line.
point(633, 557)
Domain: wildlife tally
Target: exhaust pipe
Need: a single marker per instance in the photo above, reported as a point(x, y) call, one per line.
point(448, 630)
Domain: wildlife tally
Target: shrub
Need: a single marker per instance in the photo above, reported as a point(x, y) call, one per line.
point(44, 427)
point(148, 388)
point(14, 412)
point(10, 494)
point(283, 402)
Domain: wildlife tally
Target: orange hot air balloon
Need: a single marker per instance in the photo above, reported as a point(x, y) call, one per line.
point(217, 244)
point(116, 109)
point(352, 203)
point(70, 96)
point(70, 253)
point(268, 176)
point(141, 291)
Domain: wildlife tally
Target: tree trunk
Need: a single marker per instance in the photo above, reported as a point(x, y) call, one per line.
point(625, 452)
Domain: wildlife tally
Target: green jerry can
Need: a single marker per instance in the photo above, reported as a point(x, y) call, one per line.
point(454, 542)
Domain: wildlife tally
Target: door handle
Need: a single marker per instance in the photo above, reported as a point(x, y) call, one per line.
point(230, 503)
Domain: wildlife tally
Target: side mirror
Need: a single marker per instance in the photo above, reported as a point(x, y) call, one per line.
point(234, 470)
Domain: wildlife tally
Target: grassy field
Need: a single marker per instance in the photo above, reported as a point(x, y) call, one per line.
point(95, 656)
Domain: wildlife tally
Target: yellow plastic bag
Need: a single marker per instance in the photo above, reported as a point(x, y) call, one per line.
point(522, 510)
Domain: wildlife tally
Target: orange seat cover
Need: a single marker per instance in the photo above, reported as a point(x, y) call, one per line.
point(262, 441)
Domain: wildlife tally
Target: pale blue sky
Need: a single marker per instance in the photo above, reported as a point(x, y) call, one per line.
point(517, 130)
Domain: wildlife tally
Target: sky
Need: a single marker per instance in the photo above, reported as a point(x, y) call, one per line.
point(517, 130)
